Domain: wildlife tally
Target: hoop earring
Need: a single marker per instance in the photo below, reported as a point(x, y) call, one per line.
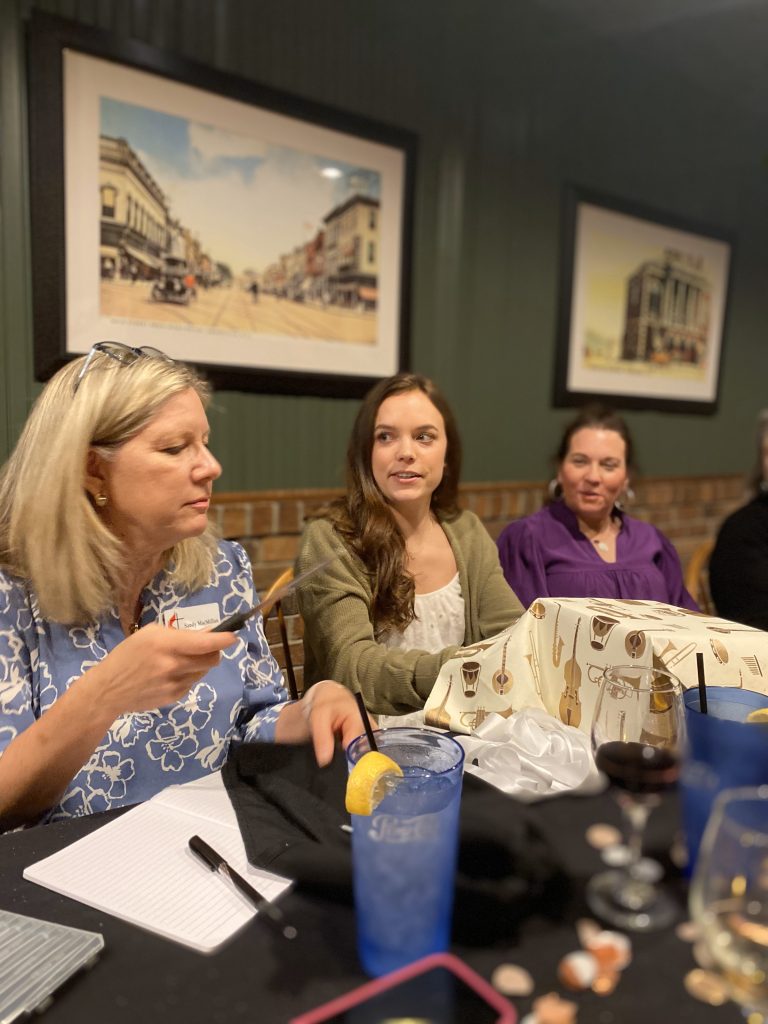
point(100, 499)
point(627, 497)
point(554, 490)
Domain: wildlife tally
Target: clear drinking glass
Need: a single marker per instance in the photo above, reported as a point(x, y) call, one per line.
point(729, 894)
point(637, 726)
point(404, 854)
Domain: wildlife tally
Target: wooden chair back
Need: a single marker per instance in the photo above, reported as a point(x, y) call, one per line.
point(697, 577)
point(276, 607)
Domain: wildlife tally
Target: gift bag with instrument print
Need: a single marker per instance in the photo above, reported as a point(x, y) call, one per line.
point(555, 655)
point(578, 638)
point(499, 675)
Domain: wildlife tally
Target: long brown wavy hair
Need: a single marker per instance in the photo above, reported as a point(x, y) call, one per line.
point(364, 519)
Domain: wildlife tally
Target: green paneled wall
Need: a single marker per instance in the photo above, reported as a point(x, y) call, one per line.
point(510, 101)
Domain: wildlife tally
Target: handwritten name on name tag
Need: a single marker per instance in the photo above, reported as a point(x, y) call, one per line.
point(194, 617)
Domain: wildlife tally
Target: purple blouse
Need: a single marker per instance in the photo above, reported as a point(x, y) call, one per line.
point(546, 555)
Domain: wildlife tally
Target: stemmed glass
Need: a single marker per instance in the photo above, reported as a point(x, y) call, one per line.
point(729, 895)
point(637, 726)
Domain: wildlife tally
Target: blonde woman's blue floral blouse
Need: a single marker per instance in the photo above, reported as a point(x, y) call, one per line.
point(143, 751)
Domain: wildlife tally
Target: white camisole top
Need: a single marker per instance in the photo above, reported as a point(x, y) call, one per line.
point(439, 621)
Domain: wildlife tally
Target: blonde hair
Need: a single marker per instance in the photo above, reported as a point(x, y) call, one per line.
point(50, 533)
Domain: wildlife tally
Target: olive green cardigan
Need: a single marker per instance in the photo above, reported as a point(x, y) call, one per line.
point(336, 605)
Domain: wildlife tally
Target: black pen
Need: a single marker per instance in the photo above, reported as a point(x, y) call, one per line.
point(217, 863)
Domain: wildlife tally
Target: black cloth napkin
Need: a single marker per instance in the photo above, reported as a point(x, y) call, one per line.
point(290, 813)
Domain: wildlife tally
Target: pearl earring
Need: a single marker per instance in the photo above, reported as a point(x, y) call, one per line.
point(100, 499)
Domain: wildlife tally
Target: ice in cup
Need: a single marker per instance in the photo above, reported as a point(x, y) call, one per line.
point(722, 750)
point(404, 853)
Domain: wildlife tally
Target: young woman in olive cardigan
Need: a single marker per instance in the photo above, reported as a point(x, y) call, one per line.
point(415, 578)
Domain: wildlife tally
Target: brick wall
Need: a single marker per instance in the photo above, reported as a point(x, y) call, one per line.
point(268, 523)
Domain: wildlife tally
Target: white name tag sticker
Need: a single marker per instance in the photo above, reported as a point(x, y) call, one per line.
point(196, 616)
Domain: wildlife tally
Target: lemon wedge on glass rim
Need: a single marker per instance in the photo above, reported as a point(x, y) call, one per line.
point(367, 782)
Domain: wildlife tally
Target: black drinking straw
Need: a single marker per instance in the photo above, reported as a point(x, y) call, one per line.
point(702, 684)
point(366, 721)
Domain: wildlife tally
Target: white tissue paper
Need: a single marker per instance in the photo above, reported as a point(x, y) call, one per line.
point(531, 755)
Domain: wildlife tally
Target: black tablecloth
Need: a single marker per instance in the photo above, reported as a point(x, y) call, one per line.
point(260, 978)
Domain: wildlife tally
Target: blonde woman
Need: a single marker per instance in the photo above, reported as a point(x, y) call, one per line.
point(104, 545)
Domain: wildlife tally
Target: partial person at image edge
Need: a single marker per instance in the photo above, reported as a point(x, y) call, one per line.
point(738, 566)
point(582, 543)
point(417, 577)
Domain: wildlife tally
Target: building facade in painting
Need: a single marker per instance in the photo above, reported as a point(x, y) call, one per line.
point(352, 252)
point(134, 214)
point(138, 234)
point(668, 308)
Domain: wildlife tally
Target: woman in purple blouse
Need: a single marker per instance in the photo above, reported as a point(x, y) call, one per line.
point(582, 544)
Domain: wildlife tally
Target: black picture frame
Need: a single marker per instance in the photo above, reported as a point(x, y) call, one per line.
point(643, 306)
point(353, 325)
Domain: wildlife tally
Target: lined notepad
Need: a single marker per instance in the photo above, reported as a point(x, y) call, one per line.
point(139, 867)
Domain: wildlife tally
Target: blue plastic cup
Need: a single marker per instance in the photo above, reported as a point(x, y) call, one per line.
point(722, 751)
point(404, 854)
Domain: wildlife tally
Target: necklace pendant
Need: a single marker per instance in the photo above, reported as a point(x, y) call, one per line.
point(601, 545)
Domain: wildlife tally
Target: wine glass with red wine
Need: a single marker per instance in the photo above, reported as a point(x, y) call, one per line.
point(637, 728)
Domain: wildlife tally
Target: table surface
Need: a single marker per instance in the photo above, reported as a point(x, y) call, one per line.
point(258, 977)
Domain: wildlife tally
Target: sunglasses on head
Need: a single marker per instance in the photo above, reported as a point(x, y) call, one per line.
point(125, 355)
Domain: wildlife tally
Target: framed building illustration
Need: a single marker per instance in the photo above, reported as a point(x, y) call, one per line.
point(643, 307)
